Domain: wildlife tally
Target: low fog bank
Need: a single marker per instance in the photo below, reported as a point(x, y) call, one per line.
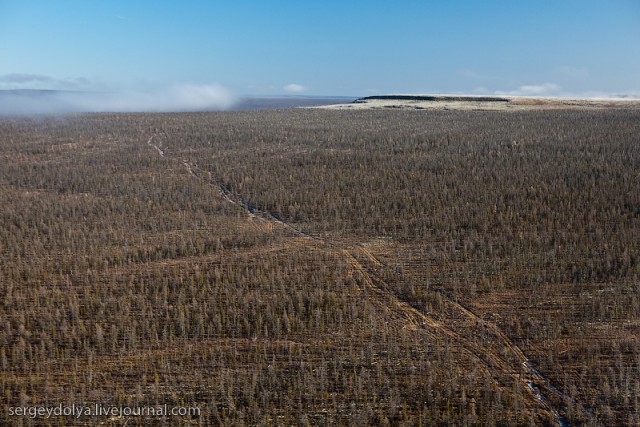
point(176, 98)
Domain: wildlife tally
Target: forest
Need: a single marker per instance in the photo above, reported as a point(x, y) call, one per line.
point(323, 267)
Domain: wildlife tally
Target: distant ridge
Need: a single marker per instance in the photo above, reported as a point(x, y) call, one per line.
point(432, 98)
point(37, 92)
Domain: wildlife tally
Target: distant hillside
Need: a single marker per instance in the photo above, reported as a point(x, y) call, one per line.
point(461, 98)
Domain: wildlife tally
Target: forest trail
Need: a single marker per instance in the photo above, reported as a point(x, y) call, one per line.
point(483, 339)
point(151, 144)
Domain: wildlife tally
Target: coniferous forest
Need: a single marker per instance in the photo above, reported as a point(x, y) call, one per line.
point(318, 267)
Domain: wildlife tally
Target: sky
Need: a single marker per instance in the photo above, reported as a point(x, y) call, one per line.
point(229, 48)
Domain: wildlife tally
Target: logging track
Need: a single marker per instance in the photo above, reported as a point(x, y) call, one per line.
point(502, 357)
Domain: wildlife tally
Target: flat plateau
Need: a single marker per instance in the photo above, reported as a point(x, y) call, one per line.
point(480, 103)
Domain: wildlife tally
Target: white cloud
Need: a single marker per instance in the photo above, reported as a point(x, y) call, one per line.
point(554, 90)
point(294, 88)
point(186, 97)
point(544, 89)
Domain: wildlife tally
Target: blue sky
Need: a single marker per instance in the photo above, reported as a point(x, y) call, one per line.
point(324, 48)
